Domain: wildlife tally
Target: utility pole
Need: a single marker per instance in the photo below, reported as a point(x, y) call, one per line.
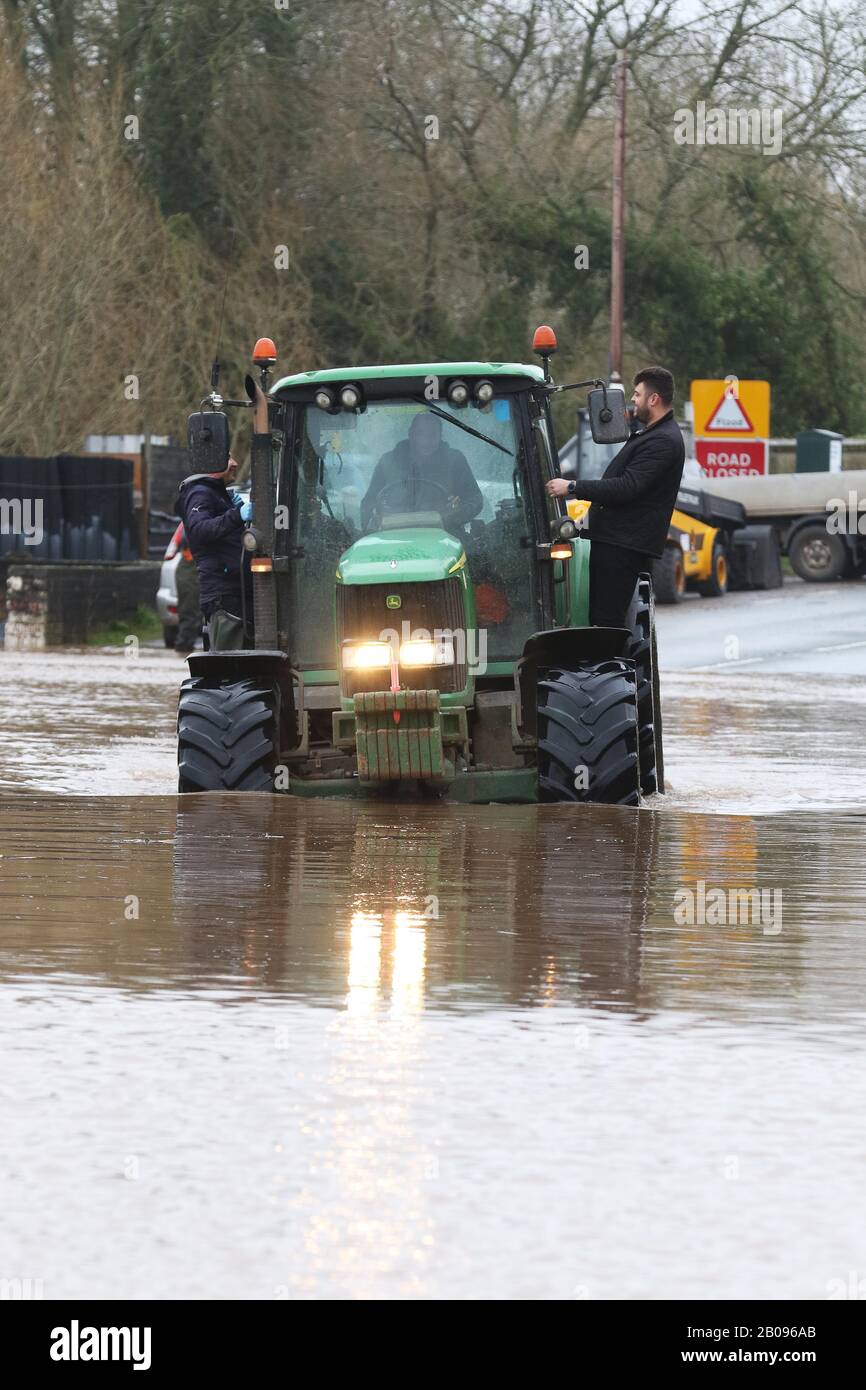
point(617, 245)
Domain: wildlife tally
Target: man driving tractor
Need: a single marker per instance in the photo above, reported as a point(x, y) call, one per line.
point(422, 473)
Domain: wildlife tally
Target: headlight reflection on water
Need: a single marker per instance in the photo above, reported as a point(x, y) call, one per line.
point(408, 958)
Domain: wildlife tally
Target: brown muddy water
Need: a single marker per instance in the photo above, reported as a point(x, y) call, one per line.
point(261, 1048)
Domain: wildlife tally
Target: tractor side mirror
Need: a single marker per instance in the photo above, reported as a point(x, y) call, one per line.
point(208, 441)
point(608, 418)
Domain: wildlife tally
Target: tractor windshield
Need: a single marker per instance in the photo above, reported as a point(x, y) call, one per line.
point(398, 464)
point(401, 464)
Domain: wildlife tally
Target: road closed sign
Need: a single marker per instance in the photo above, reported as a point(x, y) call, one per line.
point(732, 458)
point(731, 409)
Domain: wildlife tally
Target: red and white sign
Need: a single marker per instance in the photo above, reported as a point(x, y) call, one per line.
point(729, 417)
point(732, 458)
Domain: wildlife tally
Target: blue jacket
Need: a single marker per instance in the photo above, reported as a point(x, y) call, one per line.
point(214, 529)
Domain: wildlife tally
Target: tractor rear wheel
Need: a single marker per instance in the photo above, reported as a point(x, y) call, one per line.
point(669, 576)
point(587, 734)
point(642, 651)
point(228, 736)
point(717, 584)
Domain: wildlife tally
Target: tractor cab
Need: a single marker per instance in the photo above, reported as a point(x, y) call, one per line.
point(415, 514)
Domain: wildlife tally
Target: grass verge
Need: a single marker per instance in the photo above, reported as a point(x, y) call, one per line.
point(143, 623)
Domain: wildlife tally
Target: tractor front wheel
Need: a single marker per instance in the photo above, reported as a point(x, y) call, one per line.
point(669, 576)
point(227, 735)
point(587, 734)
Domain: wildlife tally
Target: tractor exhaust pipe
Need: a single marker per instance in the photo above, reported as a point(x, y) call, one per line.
point(264, 508)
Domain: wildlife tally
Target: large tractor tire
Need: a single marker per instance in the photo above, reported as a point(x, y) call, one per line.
point(227, 734)
point(642, 651)
point(717, 584)
point(816, 555)
point(669, 576)
point(587, 734)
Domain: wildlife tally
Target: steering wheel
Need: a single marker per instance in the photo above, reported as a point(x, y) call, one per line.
point(402, 483)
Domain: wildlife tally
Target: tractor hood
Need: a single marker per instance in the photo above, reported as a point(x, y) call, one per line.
point(412, 553)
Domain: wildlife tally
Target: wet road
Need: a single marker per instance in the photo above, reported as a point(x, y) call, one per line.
point(259, 1048)
point(800, 629)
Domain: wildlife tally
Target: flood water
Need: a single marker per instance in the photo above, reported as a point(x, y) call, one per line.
point(257, 1047)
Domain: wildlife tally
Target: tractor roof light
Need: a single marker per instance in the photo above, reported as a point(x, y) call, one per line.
point(458, 393)
point(484, 392)
point(325, 398)
point(350, 397)
point(264, 353)
point(264, 357)
point(544, 343)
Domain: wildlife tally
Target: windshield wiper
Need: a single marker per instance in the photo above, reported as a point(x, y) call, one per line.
point(443, 414)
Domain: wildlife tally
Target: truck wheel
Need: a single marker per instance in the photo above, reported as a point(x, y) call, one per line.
point(816, 556)
point(669, 576)
point(227, 734)
point(169, 635)
point(587, 734)
point(642, 651)
point(717, 584)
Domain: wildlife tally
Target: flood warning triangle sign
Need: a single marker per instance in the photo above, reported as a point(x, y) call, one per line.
point(729, 417)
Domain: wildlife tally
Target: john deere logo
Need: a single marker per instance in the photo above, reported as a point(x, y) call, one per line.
point(393, 601)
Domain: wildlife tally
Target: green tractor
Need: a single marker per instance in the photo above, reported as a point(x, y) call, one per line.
point(420, 604)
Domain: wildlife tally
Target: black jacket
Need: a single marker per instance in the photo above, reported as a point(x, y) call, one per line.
point(213, 528)
point(632, 503)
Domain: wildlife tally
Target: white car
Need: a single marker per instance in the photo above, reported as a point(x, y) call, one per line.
point(166, 594)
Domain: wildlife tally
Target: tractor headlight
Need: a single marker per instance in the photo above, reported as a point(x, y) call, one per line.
point(458, 393)
point(366, 656)
point(325, 398)
point(484, 392)
point(421, 653)
point(350, 398)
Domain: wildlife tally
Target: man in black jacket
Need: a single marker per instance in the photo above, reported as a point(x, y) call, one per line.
point(213, 519)
point(632, 503)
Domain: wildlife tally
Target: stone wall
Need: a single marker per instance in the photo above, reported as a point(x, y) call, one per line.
point(61, 604)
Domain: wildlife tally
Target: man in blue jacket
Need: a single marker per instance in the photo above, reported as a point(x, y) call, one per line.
point(632, 503)
point(213, 520)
